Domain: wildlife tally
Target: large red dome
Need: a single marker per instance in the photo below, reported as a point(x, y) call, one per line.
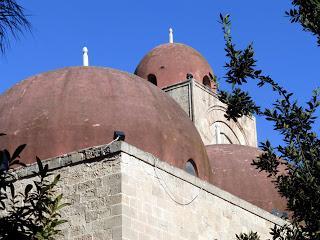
point(232, 171)
point(170, 63)
point(72, 108)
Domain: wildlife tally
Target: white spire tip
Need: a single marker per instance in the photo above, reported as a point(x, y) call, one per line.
point(170, 35)
point(85, 57)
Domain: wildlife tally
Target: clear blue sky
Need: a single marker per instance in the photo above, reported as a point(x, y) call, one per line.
point(118, 33)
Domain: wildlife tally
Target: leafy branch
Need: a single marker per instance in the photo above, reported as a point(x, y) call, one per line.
point(307, 13)
point(295, 165)
point(12, 21)
point(33, 214)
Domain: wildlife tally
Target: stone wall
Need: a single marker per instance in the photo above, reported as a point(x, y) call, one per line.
point(163, 202)
point(91, 182)
point(207, 113)
point(121, 192)
point(181, 92)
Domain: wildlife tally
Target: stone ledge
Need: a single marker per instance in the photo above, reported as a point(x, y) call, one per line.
point(87, 154)
point(176, 85)
point(204, 88)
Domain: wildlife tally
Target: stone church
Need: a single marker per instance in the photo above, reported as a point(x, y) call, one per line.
point(179, 171)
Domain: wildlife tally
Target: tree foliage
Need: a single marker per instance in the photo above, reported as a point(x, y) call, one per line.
point(300, 153)
point(12, 22)
point(307, 13)
point(250, 236)
point(33, 213)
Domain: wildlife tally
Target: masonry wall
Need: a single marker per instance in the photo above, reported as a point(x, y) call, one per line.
point(91, 182)
point(206, 111)
point(163, 202)
point(121, 192)
point(182, 94)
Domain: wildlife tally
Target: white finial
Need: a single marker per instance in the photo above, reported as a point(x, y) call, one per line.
point(85, 57)
point(170, 35)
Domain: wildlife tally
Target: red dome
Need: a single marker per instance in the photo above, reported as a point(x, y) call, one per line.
point(72, 108)
point(232, 171)
point(170, 63)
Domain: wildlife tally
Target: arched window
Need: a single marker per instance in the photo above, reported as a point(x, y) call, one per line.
point(191, 168)
point(206, 81)
point(152, 78)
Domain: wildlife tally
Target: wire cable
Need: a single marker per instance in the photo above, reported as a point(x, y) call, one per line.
point(166, 188)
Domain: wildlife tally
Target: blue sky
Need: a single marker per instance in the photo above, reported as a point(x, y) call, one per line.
point(119, 33)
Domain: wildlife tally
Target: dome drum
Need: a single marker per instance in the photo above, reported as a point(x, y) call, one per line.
point(170, 64)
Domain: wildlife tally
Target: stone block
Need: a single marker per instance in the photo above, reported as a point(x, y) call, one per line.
point(103, 235)
point(117, 233)
point(116, 209)
point(84, 237)
point(91, 216)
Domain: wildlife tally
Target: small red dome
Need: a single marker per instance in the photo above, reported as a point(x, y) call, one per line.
point(232, 171)
point(170, 63)
point(73, 108)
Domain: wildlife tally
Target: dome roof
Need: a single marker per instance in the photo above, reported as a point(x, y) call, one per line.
point(171, 62)
point(73, 108)
point(232, 171)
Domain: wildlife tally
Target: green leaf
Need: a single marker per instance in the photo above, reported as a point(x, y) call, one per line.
point(28, 189)
point(56, 179)
point(40, 166)
point(12, 190)
point(18, 151)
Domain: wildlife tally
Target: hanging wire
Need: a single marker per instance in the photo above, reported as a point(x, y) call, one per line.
point(166, 188)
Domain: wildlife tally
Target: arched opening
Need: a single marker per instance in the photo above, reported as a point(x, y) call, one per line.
point(222, 133)
point(152, 78)
point(191, 168)
point(206, 81)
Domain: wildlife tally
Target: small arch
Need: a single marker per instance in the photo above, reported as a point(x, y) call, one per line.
point(191, 168)
point(206, 81)
point(152, 78)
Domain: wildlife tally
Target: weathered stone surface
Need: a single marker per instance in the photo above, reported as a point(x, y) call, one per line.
point(126, 197)
point(206, 111)
point(182, 94)
point(176, 205)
